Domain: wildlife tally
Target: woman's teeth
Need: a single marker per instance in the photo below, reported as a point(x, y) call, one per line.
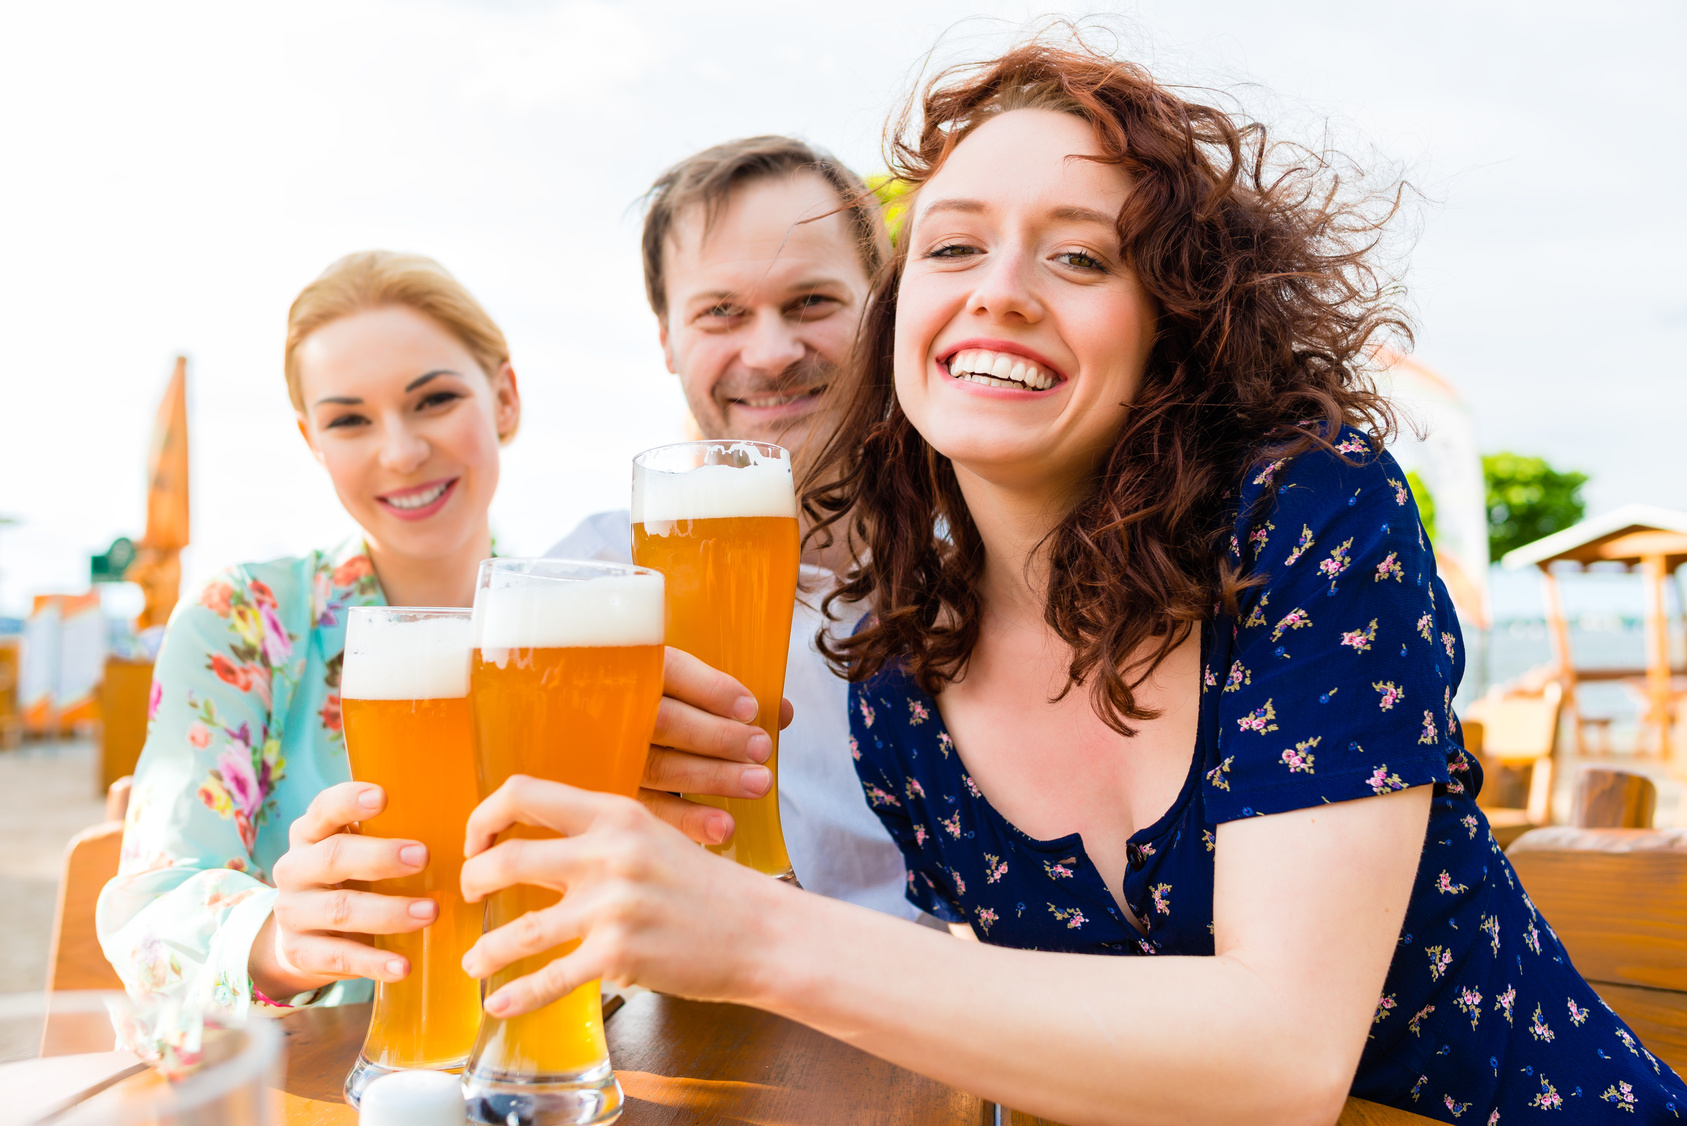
point(419, 500)
point(999, 369)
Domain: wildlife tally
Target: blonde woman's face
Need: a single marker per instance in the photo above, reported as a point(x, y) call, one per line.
point(407, 425)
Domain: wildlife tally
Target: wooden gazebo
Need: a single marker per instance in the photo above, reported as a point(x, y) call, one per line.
point(1635, 535)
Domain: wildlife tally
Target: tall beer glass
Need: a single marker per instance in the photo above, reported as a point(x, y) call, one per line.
point(719, 519)
point(564, 681)
point(404, 704)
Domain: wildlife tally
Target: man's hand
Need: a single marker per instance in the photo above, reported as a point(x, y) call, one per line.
point(706, 742)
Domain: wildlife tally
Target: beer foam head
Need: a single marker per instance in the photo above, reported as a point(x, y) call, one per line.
point(712, 492)
point(397, 658)
point(542, 612)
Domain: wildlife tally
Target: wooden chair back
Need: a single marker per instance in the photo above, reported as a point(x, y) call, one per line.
point(74, 958)
point(1519, 725)
point(1617, 898)
point(1613, 799)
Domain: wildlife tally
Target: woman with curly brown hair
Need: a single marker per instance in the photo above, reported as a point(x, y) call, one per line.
point(1158, 664)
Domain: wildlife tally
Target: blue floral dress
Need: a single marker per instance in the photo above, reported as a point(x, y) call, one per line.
point(1334, 682)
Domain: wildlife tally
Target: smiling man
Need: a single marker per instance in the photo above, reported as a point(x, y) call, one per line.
point(758, 258)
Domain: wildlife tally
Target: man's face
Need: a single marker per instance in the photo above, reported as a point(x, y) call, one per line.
point(762, 308)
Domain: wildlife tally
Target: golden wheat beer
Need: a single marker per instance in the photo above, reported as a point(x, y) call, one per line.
point(565, 679)
point(404, 704)
point(719, 520)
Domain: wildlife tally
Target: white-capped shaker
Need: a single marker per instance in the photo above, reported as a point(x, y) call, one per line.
point(414, 1098)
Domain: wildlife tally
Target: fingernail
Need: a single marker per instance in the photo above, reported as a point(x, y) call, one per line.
point(424, 909)
point(471, 964)
point(716, 831)
point(497, 1004)
point(395, 967)
point(744, 709)
point(760, 747)
point(370, 799)
point(414, 855)
point(756, 779)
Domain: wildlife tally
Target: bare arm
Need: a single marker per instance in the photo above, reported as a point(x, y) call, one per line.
point(1308, 906)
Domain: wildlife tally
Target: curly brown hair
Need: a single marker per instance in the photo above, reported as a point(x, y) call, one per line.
point(1263, 264)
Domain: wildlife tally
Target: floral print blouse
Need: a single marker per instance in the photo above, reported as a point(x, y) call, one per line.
point(243, 730)
point(1334, 682)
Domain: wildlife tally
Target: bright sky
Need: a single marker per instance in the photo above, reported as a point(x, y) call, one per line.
point(176, 172)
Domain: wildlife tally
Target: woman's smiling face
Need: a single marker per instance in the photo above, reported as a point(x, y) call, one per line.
point(407, 425)
point(1021, 335)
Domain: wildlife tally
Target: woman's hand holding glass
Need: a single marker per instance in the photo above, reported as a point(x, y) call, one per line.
point(705, 743)
point(643, 899)
point(308, 941)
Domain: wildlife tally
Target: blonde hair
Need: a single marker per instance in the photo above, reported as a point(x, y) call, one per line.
point(374, 279)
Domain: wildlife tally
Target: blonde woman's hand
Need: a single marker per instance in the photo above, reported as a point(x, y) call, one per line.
point(308, 940)
point(705, 743)
point(648, 906)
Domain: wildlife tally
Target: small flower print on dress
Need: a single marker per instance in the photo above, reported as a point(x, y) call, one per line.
point(986, 919)
point(1426, 626)
point(1577, 1013)
point(1207, 839)
point(1293, 620)
point(1548, 1098)
point(913, 789)
point(1216, 776)
point(1532, 939)
point(994, 868)
point(1071, 916)
point(1469, 822)
point(917, 713)
point(877, 796)
point(1447, 644)
point(1385, 1006)
point(1299, 758)
point(1400, 492)
point(952, 824)
point(1622, 1094)
point(1504, 1002)
point(1270, 471)
point(1468, 1000)
point(1428, 735)
point(1360, 639)
point(1301, 547)
point(1538, 1026)
point(1491, 925)
point(1332, 567)
point(1162, 902)
point(1457, 1109)
point(944, 743)
point(1382, 782)
point(866, 713)
point(1261, 719)
point(1258, 537)
point(1353, 445)
point(1416, 1023)
point(1391, 695)
point(1445, 885)
point(1439, 959)
point(1256, 617)
point(972, 787)
point(1060, 869)
point(1628, 1041)
point(1238, 677)
point(1417, 1088)
point(1390, 568)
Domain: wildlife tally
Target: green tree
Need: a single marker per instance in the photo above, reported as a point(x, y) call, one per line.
point(1425, 501)
point(1528, 499)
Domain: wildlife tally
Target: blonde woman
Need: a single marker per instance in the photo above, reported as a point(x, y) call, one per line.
point(232, 889)
point(404, 393)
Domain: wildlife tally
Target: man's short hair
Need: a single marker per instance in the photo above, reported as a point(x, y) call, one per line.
point(709, 177)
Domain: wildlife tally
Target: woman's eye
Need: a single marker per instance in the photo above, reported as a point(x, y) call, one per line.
point(438, 398)
point(345, 422)
point(952, 250)
point(1081, 260)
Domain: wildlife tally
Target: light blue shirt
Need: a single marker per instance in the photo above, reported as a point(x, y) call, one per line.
point(838, 846)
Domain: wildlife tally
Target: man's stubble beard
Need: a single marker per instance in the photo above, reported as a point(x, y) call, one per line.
point(808, 374)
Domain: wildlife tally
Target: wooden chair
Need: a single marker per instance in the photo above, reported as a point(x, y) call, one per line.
point(1617, 898)
point(1514, 735)
point(1613, 799)
point(74, 959)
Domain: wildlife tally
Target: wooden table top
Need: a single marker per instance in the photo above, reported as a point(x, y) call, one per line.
point(689, 1061)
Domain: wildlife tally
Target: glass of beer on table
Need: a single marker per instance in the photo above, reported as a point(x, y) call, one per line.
point(564, 682)
point(404, 707)
point(719, 520)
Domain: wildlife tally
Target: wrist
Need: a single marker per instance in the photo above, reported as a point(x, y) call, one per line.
point(777, 937)
point(271, 978)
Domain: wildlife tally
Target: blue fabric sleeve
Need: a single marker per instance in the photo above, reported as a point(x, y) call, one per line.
point(1347, 654)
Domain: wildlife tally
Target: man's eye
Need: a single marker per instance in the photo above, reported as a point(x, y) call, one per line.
point(1081, 260)
point(952, 250)
point(812, 306)
point(722, 312)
